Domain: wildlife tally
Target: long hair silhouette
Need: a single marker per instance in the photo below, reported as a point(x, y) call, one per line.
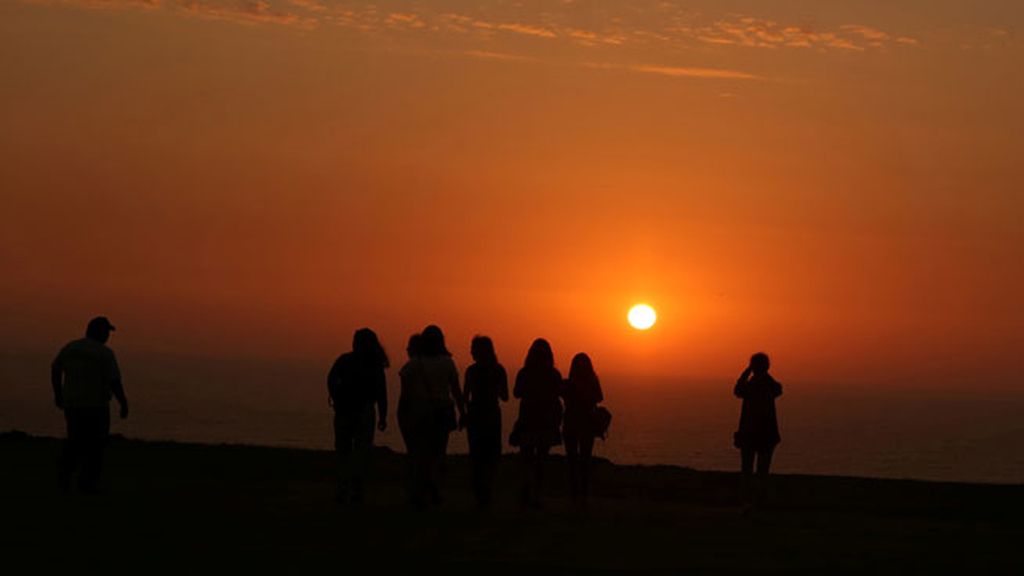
point(582, 370)
point(540, 355)
point(482, 350)
point(432, 342)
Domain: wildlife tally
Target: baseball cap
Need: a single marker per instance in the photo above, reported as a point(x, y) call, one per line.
point(100, 323)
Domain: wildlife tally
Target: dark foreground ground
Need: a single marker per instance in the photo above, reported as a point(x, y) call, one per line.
point(187, 509)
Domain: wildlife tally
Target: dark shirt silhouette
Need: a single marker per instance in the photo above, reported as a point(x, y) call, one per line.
point(759, 428)
point(84, 376)
point(540, 411)
point(486, 386)
point(355, 384)
point(581, 396)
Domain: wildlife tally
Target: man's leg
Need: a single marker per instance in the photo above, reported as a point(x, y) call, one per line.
point(764, 462)
point(746, 474)
point(362, 449)
point(343, 453)
point(72, 450)
point(96, 424)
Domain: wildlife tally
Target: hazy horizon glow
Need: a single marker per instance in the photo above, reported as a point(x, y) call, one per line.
point(837, 185)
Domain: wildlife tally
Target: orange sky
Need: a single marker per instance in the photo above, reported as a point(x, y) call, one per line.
point(840, 186)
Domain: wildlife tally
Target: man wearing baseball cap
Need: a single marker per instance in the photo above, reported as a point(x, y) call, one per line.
point(84, 376)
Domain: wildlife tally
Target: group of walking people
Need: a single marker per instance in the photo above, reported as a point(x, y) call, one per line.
point(432, 405)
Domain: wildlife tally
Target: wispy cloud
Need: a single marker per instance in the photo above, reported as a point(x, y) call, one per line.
point(489, 55)
point(310, 5)
point(750, 32)
point(404, 20)
point(656, 23)
point(102, 4)
point(687, 72)
point(494, 32)
point(238, 11)
point(244, 12)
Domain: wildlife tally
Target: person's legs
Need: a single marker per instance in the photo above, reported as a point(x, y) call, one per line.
point(586, 454)
point(362, 450)
point(747, 460)
point(747, 472)
point(764, 461)
point(539, 462)
point(96, 424)
point(71, 453)
point(527, 454)
point(489, 472)
point(572, 455)
point(343, 445)
point(477, 460)
point(439, 464)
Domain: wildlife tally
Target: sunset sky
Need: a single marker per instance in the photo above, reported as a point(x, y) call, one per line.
point(840, 184)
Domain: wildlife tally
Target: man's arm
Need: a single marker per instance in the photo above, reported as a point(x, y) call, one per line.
point(118, 389)
point(114, 377)
point(332, 378)
point(57, 381)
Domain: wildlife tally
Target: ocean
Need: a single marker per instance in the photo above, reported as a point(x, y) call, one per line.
point(870, 431)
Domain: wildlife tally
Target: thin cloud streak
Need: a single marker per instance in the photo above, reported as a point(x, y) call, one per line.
point(686, 72)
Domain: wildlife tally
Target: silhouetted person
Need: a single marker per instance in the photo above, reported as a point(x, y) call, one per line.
point(430, 398)
point(355, 384)
point(412, 416)
point(581, 393)
point(486, 386)
point(408, 417)
point(540, 415)
point(84, 376)
point(758, 432)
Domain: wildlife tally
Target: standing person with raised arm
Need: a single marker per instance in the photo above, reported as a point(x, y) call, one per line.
point(84, 376)
point(355, 384)
point(758, 432)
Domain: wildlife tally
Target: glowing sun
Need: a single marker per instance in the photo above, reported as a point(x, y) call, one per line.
point(642, 317)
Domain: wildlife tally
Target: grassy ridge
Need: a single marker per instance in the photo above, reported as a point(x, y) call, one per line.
point(200, 508)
